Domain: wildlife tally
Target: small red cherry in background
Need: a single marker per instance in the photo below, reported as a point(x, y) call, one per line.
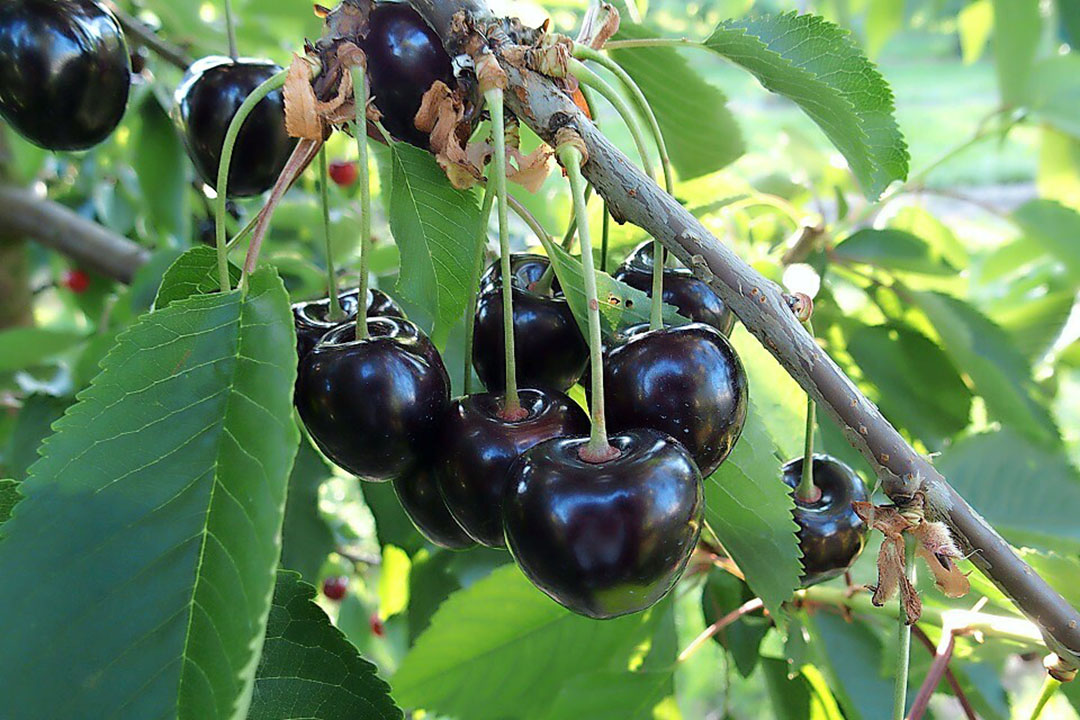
point(335, 587)
point(343, 173)
point(377, 627)
point(77, 281)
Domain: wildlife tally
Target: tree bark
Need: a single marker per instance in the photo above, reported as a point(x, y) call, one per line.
point(761, 306)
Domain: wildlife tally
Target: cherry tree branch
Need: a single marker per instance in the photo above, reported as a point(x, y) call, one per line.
point(760, 305)
point(25, 214)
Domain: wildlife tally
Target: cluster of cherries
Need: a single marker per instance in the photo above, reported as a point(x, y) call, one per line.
point(604, 534)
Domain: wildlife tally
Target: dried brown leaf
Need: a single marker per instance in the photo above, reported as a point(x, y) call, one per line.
point(301, 116)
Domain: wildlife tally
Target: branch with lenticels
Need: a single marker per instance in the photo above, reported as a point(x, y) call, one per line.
point(764, 311)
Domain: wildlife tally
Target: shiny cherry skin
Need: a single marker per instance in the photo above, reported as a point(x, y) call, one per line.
point(335, 588)
point(419, 496)
point(65, 75)
point(405, 57)
point(831, 535)
point(694, 299)
point(685, 381)
point(549, 348)
point(207, 99)
point(313, 318)
point(604, 539)
point(372, 405)
point(479, 445)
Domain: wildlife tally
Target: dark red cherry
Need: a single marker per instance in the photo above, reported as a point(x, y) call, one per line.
point(419, 496)
point(335, 588)
point(405, 57)
point(550, 351)
point(207, 99)
point(604, 539)
point(77, 281)
point(685, 381)
point(313, 317)
point(831, 535)
point(65, 74)
point(373, 405)
point(343, 173)
point(479, 445)
point(695, 299)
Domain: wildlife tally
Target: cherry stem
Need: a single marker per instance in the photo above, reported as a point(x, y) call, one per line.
point(806, 490)
point(478, 266)
point(584, 52)
point(336, 313)
point(246, 108)
point(587, 77)
point(958, 692)
point(903, 641)
point(604, 237)
point(230, 30)
point(942, 656)
point(598, 449)
point(511, 402)
point(359, 125)
point(1050, 686)
point(745, 609)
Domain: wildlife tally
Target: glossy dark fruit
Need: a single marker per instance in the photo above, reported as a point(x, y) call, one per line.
point(313, 317)
point(831, 535)
point(342, 173)
point(695, 299)
point(374, 405)
point(65, 74)
point(335, 588)
point(549, 348)
point(610, 538)
point(207, 99)
point(419, 496)
point(685, 381)
point(405, 57)
point(478, 447)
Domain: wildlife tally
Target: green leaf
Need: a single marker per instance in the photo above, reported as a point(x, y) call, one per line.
point(750, 508)
point(430, 582)
point(306, 539)
point(309, 670)
point(851, 656)
point(999, 373)
point(1017, 27)
point(501, 645)
point(620, 305)
point(1059, 167)
point(437, 228)
point(918, 385)
point(611, 695)
point(803, 697)
point(941, 239)
point(162, 166)
point(725, 593)
point(893, 250)
point(160, 498)
point(701, 134)
point(1029, 493)
point(777, 398)
point(393, 581)
point(1036, 324)
point(392, 525)
point(1056, 94)
point(24, 347)
point(1054, 227)
point(34, 424)
point(194, 273)
point(815, 64)
point(9, 495)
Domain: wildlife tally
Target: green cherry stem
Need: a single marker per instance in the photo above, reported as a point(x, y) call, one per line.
point(359, 126)
point(336, 313)
point(903, 641)
point(604, 237)
point(512, 409)
point(256, 96)
point(806, 490)
point(598, 449)
point(230, 30)
point(474, 295)
point(1049, 687)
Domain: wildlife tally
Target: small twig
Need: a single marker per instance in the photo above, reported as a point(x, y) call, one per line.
point(1049, 687)
point(745, 609)
point(903, 645)
point(140, 32)
point(938, 667)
